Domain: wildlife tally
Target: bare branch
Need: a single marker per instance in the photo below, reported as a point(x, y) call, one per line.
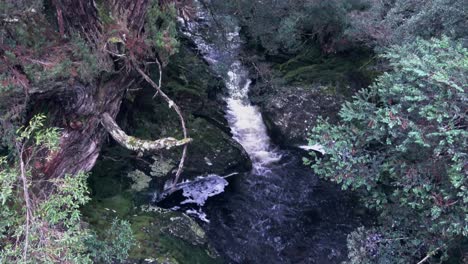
point(27, 200)
point(430, 254)
point(179, 113)
point(136, 144)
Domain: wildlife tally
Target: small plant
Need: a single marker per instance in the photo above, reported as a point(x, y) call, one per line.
point(162, 29)
point(115, 244)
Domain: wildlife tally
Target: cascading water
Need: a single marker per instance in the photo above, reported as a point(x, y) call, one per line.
point(246, 121)
point(244, 118)
point(280, 212)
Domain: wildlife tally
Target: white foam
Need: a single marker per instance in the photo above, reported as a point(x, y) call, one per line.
point(199, 214)
point(246, 121)
point(200, 190)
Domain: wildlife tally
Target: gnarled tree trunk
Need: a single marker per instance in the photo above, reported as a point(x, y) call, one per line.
point(76, 107)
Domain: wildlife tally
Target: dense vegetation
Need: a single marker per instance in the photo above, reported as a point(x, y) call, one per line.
point(400, 144)
point(51, 54)
point(45, 226)
point(337, 25)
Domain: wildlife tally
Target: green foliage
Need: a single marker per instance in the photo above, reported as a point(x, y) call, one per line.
point(52, 229)
point(161, 26)
point(76, 60)
point(40, 221)
point(89, 67)
point(402, 145)
point(39, 136)
point(16, 20)
point(115, 245)
point(12, 7)
point(285, 26)
point(383, 23)
point(312, 66)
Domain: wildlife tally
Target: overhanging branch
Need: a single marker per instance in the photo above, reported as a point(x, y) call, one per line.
point(176, 109)
point(136, 144)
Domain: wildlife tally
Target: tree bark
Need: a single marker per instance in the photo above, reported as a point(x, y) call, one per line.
point(78, 108)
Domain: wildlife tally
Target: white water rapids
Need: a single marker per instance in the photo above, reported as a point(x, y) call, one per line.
point(246, 121)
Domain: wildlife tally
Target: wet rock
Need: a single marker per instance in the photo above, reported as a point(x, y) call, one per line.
point(186, 229)
point(214, 152)
point(291, 111)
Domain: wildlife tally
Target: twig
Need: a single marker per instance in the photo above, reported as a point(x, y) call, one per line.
point(27, 201)
point(430, 254)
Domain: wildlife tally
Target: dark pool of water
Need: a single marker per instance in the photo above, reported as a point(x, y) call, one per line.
point(285, 216)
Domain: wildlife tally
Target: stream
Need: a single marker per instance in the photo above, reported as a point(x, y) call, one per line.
point(279, 212)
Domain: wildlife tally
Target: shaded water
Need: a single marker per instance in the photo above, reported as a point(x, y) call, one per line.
point(280, 212)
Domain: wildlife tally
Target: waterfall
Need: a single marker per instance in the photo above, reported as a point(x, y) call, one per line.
point(245, 119)
point(279, 213)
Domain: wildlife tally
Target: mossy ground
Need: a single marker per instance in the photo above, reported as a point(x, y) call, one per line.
point(159, 238)
point(337, 71)
point(160, 234)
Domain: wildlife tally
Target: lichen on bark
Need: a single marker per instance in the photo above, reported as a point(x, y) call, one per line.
point(136, 144)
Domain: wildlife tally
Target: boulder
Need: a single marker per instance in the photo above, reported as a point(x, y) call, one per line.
point(291, 111)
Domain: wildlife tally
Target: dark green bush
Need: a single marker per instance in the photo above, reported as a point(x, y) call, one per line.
point(402, 144)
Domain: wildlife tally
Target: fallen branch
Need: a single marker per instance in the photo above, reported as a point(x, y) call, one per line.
point(136, 144)
point(179, 113)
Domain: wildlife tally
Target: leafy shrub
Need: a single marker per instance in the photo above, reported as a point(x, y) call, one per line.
point(40, 220)
point(114, 245)
point(162, 29)
point(384, 23)
point(286, 26)
point(402, 144)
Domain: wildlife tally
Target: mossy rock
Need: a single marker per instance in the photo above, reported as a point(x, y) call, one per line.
point(292, 111)
point(108, 177)
point(340, 70)
point(214, 151)
point(162, 235)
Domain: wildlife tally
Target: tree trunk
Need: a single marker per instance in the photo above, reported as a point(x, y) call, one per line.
point(78, 108)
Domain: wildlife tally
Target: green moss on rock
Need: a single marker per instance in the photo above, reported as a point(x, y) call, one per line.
point(161, 234)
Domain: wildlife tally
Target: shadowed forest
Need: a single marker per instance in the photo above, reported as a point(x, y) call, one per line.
point(240, 131)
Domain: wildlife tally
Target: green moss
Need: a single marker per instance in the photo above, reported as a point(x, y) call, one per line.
point(311, 66)
point(132, 141)
point(160, 233)
point(104, 13)
point(140, 181)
